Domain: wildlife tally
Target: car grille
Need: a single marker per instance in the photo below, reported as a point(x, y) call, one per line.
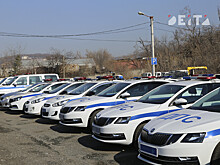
point(159, 139)
point(45, 113)
point(46, 105)
point(66, 109)
point(103, 121)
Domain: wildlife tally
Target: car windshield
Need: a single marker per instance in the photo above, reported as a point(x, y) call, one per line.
point(11, 81)
point(39, 88)
point(30, 87)
point(2, 80)
point(81, 89)
point(113, 90)
point(70, 88)
point(59, 88)
point(210, 102)
point(161, 94)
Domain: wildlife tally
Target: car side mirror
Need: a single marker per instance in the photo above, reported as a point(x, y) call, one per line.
point(90, 93)
point(180, 101)
point(15, 84)
point(125, 95)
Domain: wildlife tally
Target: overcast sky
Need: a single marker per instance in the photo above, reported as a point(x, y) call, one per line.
point(40, 18)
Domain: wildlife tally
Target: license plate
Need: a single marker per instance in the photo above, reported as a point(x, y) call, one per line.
point(96, 130)
point(149, 150)
point(44, 110)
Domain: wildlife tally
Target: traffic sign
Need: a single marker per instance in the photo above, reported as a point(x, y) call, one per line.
point(153, 61)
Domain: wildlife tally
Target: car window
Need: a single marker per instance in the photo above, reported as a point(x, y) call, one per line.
point(101, 88)
point(52, 87)
point(39, 88)
point(211, 102)
point(53, 77)
point(21, 81)
point(35, 79)
point(72, 87)
point(195, 92)
point(82, 88)
point(113, 90)
point(161, 94)
point(142, 88)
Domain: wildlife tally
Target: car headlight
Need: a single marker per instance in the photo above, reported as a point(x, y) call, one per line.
point(194, 138)
point(80, 108)
point(37, 100)
point(57, 104)
point(122, 120)
point(17, 98)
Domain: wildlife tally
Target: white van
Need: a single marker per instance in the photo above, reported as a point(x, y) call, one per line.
point(22, 81)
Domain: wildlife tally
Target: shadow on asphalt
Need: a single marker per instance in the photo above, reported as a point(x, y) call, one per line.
point(28, 116)
point(65, 129)
point(46, 121)
point(13, 112)
point(127, 154)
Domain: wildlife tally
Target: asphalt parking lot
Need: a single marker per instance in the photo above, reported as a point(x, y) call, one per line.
point(26, 139)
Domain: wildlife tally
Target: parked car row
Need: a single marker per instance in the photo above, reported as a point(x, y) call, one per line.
point(148, 114)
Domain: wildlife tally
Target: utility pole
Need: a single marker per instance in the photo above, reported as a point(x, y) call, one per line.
point(152, 41)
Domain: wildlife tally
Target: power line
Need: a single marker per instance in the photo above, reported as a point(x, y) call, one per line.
point(74, 35)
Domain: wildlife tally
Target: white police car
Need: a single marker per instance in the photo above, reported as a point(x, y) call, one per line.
point(4, 99)
point(51, 108)
point(188, 136)
point(123, 124)
point(22, 81)
point(80, 113)
point(17, 102)
point(34, 104)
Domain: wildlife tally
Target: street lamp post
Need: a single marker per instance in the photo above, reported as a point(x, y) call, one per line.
point(152, 41)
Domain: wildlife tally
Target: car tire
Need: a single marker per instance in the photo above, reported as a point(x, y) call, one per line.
point(91, 119)
point(215, 160)
point(136, 134)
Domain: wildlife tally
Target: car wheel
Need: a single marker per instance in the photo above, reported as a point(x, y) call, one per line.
point(215, 160)
point(136, 134)
point(91, 119)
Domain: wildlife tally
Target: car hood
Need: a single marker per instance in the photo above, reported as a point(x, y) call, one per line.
point(129, 109)
point(28, 94)
point(185, 121)
point(62, 98)
point(92, 101)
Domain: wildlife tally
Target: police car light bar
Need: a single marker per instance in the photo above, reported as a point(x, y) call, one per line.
point(199, 77)
point(79, 78)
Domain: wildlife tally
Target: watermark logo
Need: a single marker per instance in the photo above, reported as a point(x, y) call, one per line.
point(187, 20)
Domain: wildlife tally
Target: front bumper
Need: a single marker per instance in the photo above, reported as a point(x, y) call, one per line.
point(78, 119)
point(176, 153)
point(51, 112)
point(34, 109)
point(4, 103)
point(114, 133)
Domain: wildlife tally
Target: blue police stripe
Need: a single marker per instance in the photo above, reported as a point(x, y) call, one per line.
point(31, 95)
point(152, 114)
point(12, 87)
point(106, 104)
point(47, 98)
point(213, 133)
point(74, 99)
